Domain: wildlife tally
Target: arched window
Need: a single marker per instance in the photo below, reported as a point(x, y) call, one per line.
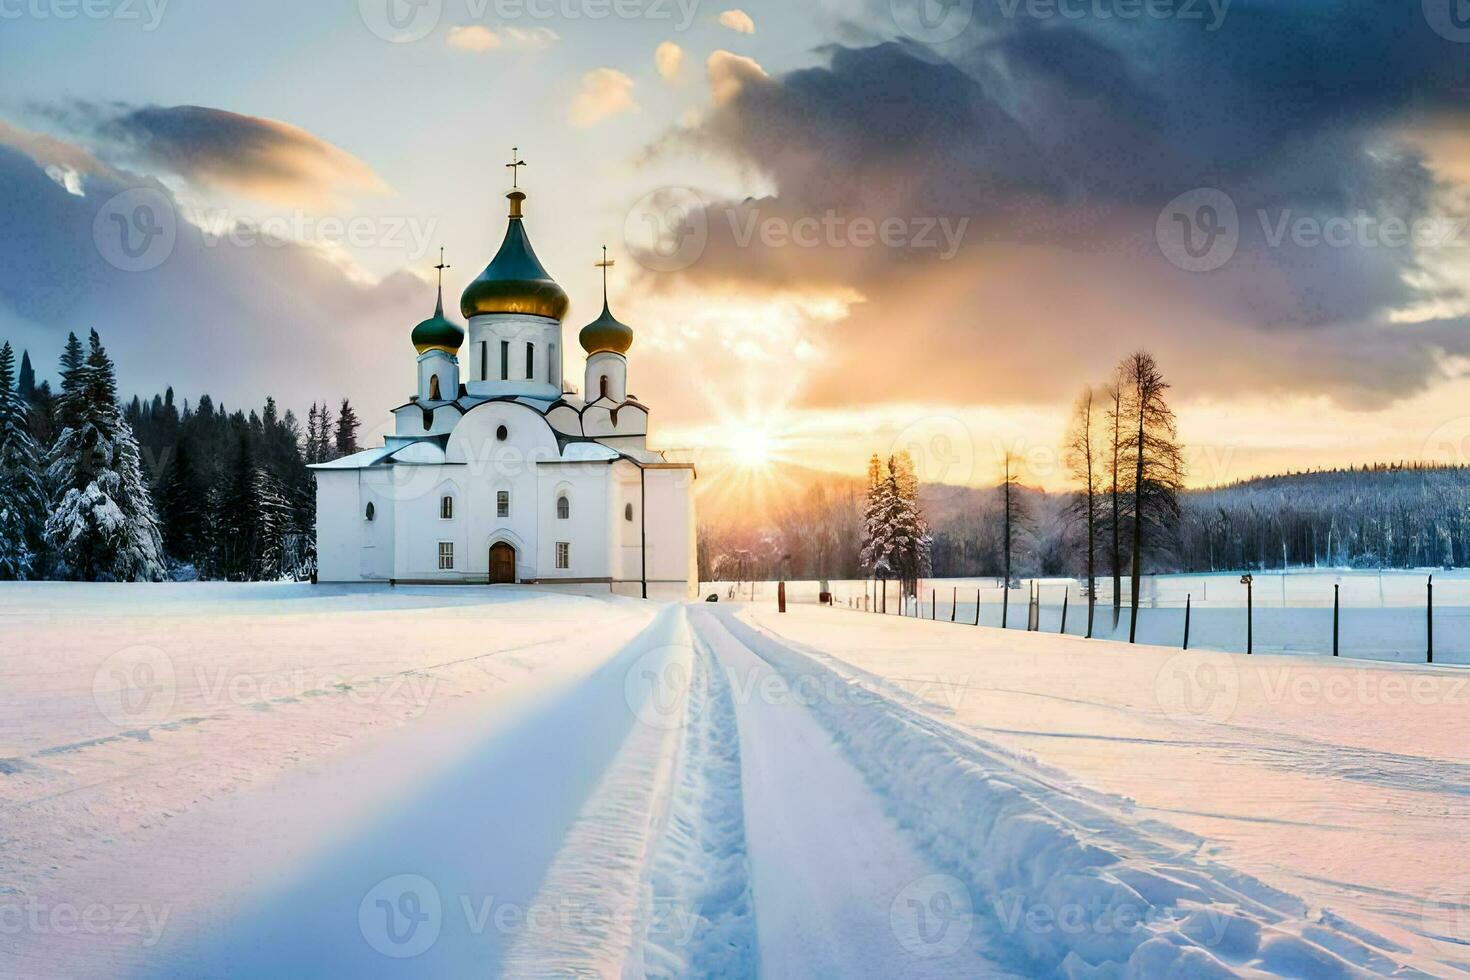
point(628, 512)
point(434, 388)
point(502, 433)
point(446, 508)
point(602, 384)
point(563, 508)
point(530, 361)
point(370, 513)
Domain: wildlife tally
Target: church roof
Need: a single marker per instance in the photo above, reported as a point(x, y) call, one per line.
point(606, 334)
point(437, 332)
point(515, 280)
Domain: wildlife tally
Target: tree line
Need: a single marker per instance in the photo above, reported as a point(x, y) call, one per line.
point(94, 490)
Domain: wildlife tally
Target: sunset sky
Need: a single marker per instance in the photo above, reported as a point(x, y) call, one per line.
point(839, 227)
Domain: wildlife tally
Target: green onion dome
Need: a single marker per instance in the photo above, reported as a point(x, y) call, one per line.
point(437, 333)
point(515, 281)
point(606, 334)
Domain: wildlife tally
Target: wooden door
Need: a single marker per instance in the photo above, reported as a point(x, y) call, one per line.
point(502, 564)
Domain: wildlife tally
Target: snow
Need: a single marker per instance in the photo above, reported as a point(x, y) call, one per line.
point(201, 779)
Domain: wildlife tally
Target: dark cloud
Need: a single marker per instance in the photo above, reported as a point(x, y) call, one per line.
point(212, 316)
point(259, 158)
point(1062, 140)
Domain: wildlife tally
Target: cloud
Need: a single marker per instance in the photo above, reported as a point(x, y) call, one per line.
point(605, 93)
point(212, 316)
point(480, 39)
point(668, 58)
point(1060, 144)
point(737, 20)
point(259, 158)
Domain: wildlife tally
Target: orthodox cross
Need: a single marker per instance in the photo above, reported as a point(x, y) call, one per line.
point(441, 267)
point(515, 164)
point(604, 265)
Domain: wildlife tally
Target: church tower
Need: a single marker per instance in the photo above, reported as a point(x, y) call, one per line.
point(515, 310)
point(437, 341)
point(606, 342)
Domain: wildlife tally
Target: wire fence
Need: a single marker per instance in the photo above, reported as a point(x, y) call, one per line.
point(1399, 616)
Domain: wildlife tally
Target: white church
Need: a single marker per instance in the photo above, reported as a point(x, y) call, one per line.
point(496, 473)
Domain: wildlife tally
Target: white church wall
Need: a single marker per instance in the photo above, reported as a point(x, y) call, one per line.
point(436, 364)
point(409, 420)
point(613, 367)
point(420, 529)
point(339, 534)
point(583, 530)
point(494, 369)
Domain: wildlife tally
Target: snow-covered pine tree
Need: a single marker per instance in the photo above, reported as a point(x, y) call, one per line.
point(22, 495)
point(102, 525)
point(182, 503)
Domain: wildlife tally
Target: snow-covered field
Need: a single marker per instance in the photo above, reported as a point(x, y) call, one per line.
point(210, 780)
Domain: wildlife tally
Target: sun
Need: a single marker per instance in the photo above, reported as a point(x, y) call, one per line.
point(751, 447)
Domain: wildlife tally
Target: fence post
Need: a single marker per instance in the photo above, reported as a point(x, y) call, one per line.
point(977, 605)
point(1430, 620)
point(1250, 612)
point(1336, 608)
point(1188, 606)
point(933, 604)
point(1005, 603)
point(1066, 597)
point(954, 604)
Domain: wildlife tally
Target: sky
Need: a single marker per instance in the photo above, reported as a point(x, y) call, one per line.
point(840, 227)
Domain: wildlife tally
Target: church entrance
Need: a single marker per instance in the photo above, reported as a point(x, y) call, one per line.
point(502, 564)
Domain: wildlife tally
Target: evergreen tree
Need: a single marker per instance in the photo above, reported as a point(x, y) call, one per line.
point(182, 507)
point(22, 495)
point(26, 383)
point(896, 539)
point(251, 513)
point(347, 426)
point(102, 526)
point(1157, 463)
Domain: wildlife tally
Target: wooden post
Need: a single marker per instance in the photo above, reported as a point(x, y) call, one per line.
point(1005, 603)
point(954, 604)
point(933, 604)
point(1250, 613)
point(781, 597)
point(1066, 598)
point(977, 606)
point(1336, 608)
point(1188, 604)
point(1430, 621)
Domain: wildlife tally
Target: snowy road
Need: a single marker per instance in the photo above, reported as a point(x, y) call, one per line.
point(584, 787)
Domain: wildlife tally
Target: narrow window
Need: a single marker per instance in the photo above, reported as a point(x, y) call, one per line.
point(446, 508)
point(563, 508)
point(551, 372)
point(434, 388)
point(628, 512)
point(484, 360)
point(370, 513)
point(563, 555)
point(446, 556)
point(530, 361)
point(602, 383)
point(502, 503)
point(505, 360)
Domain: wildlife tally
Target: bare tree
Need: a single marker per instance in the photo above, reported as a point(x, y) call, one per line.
point(1016, 517)
point(1157, 464)
point(1082, 452)
point(1113, 392)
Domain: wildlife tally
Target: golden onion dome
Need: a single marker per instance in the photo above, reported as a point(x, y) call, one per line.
point(606, 334)
point(515, 281)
